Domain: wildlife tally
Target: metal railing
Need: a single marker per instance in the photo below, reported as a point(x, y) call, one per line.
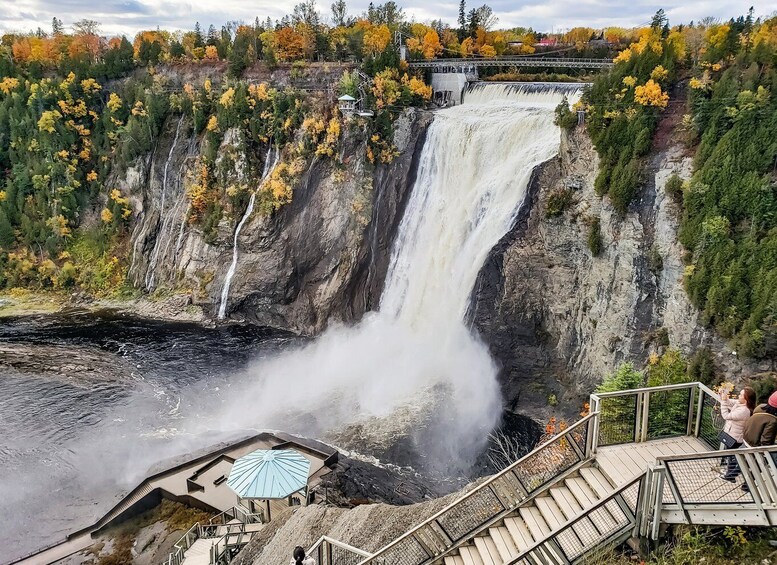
point(226, 547)
point(690, 486)
point(180, 547)
point(609, 521)
point(491, 500)
point(328, 551)
point(630, 416)
point(513, 61)
point(638, 415)
point(237, 513)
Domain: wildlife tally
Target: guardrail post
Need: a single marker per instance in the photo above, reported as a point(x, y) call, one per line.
point(643, 424)
point(699, 411)
point(659, 474)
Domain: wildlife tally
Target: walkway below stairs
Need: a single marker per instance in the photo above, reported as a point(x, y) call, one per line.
point(199, 552)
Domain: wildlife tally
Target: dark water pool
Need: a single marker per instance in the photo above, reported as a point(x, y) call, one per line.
point(70, 447)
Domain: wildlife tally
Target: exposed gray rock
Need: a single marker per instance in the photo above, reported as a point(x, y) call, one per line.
point(321, 258)
point(558, 319)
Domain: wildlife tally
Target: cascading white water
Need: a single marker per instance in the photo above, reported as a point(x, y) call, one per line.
point(415, 360)
point(249, 210)
point(163, 217)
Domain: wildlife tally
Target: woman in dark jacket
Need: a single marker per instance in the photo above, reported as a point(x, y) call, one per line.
point(761, 427)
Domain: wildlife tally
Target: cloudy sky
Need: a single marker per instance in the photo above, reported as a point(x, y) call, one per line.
point(129, 16)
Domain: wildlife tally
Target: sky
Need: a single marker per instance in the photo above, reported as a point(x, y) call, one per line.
point(130, 16)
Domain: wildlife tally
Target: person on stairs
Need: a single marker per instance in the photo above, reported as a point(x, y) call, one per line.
point(761, 427)
point(735, 412)
point(298, 557)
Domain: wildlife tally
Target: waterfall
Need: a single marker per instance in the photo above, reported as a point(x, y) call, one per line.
point(414, 364)
point(165, 219)
point(248, 212)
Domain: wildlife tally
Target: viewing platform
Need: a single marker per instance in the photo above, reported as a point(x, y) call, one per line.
point(642, 459)
point(201, 482)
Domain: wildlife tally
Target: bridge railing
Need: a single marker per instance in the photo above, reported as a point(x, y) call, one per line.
point(638, 415)
point(176, 557)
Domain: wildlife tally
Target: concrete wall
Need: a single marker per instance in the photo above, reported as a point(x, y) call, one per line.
point(452, 82)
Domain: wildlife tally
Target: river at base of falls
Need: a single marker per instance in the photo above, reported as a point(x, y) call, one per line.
point(71, 446)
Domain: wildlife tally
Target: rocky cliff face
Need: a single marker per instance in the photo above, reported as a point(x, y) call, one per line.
point(319, 259)
point(559, 319)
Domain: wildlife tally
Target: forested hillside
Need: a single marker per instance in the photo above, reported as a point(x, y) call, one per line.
point(729, 205)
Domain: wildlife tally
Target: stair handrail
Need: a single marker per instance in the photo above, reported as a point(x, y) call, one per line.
point(586, 421)
point(618, 496)
point(325, 558)
point(176, 557)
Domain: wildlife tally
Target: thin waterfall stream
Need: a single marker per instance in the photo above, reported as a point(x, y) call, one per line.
point(249, 210)
point(164, 218)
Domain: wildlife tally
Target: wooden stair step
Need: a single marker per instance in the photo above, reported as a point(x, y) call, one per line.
point(597, 481)
point(504, 542)
point(535, 522)
point(470, 555)
point(453, 560)
point(566, 502)
point(488, 551)
point(582, 491)
point(519, 532)
point(553, 515)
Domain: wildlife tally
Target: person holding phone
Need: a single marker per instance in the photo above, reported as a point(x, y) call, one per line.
point(736, 412)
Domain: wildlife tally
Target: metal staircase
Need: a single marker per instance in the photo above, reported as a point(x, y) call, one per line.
point(642, 458)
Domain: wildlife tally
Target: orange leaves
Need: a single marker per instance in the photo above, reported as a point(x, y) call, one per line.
point(488, 51)
point(289, 44)
point(211, 53)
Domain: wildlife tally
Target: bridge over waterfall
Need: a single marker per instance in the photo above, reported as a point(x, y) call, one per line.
point(451, 76)
point(641, 459)
point(470, 65)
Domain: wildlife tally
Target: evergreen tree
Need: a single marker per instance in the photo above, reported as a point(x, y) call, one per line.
point(339, 13)
point(462, 19)
point(199, 40)
point(56, 26)
point(7, 235)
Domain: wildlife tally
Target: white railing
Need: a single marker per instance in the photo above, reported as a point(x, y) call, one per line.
point(186, 541)
point(328, 551)
point(605, 522)
point(638, 415)
point(689, 488)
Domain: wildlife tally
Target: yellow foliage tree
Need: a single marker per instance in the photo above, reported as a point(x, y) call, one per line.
point(8, 84)
point(114, 102)
point(488, 51)
point(651, 95)
point(211, 53)
point(48, 121)
point(376, 39)
point(659, 73)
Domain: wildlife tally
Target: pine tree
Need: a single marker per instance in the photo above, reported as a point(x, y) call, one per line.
point(199, 41)
point(7, 235)
point(56, 26)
